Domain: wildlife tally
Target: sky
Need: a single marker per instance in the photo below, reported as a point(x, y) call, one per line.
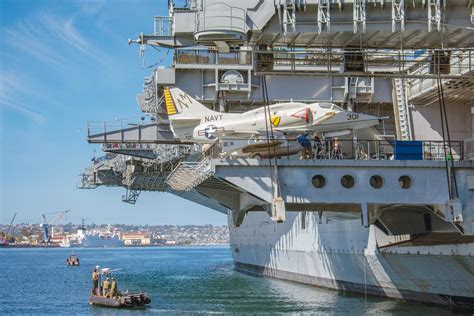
point(63, 63)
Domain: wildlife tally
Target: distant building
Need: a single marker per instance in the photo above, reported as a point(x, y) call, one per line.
point(136, 238)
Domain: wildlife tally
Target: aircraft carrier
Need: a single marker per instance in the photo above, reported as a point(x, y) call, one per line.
point(393, 214)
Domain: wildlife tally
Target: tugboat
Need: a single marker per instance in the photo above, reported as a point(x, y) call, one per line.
point(73, 260)
point(106, 294)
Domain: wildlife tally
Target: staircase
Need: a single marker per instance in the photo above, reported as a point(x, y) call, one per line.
point(400, 108)
point(188, 175)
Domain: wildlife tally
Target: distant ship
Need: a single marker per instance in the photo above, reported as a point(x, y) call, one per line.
point(84, 240)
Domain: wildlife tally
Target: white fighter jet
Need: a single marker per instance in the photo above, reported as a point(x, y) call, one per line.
point(192, 121)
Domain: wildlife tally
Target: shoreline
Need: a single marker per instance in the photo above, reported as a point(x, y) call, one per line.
point(125, 246)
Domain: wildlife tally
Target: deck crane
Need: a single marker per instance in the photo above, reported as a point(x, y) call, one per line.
point(47, 224)
point(5, 237)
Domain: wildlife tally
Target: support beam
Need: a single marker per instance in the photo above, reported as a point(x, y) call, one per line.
point(434, 15)
point(324, 16)
point(398, 15)
point(359, 16)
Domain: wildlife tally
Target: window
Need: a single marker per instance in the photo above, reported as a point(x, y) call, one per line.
point(318, 181)
point(404, 182)
point(376, 182)
point(347, 181)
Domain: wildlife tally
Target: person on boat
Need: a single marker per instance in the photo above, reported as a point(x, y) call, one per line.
point(95, 280)
point(113, 288)
point(106, 287)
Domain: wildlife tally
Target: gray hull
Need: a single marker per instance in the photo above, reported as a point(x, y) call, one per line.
point(342, 255)
point(93, 241)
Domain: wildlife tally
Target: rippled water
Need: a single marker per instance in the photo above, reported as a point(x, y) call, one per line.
point(179, 280)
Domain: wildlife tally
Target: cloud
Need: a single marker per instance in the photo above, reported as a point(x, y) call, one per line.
point(10, 88)
point(65, 31)
point(53, 40)
point(30, 39)
point(12, 104)
point(90, 7)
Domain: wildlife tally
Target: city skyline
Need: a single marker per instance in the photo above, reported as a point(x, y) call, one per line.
point(62, 64)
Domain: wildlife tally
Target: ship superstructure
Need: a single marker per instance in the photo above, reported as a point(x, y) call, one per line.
point(392, 213)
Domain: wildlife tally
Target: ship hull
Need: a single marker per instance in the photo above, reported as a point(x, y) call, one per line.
point(100, 243)
point(343, 255)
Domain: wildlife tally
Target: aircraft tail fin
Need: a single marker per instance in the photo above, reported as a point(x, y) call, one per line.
point(179, 105)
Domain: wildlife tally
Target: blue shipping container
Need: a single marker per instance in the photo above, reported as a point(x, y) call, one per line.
point(408, 150)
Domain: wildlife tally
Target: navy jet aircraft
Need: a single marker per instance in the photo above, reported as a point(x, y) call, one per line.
point(192, 121)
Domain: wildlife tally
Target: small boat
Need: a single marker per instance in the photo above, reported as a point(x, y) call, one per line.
point(131, 300)
point(73, 260)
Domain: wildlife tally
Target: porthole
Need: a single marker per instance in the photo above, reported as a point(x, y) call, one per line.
point(347, 181)
point(376, 182)
point(404, 182)
point(318, 181)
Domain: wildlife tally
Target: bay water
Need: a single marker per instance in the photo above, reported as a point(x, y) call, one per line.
point(36, 281)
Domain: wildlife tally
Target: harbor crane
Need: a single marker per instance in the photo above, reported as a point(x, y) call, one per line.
point(5, 237)
point(47, 224)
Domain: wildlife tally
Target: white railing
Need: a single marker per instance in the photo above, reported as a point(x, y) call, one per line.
point(461, 63)
point(188, 175)
point(163, 26)
point(221, 16)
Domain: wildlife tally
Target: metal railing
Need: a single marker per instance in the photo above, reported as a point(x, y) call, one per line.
point(183, 5)
point(373, 63)
point(98, 127)
point(221, 16)
point(188, 175)
point(207, 57)
point(461, 64)
point(141, 146)
point(163, 26)
point(343, 149)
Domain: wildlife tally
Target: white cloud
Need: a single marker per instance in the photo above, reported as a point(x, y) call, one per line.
point(65, 31)
point(11, 87)
point(31, 39)
point(6, 101)
point(90, 7)
point(54, 40)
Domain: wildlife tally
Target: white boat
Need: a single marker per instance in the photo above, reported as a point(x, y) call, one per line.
point(65, 243)
point(103, 239)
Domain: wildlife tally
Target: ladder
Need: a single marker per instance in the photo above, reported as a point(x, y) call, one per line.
point(324, 16)
point(398, 14)
point(434, 14)
point(359, 16)
point(287, 14)
point(399, 86)
point(353, 84)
